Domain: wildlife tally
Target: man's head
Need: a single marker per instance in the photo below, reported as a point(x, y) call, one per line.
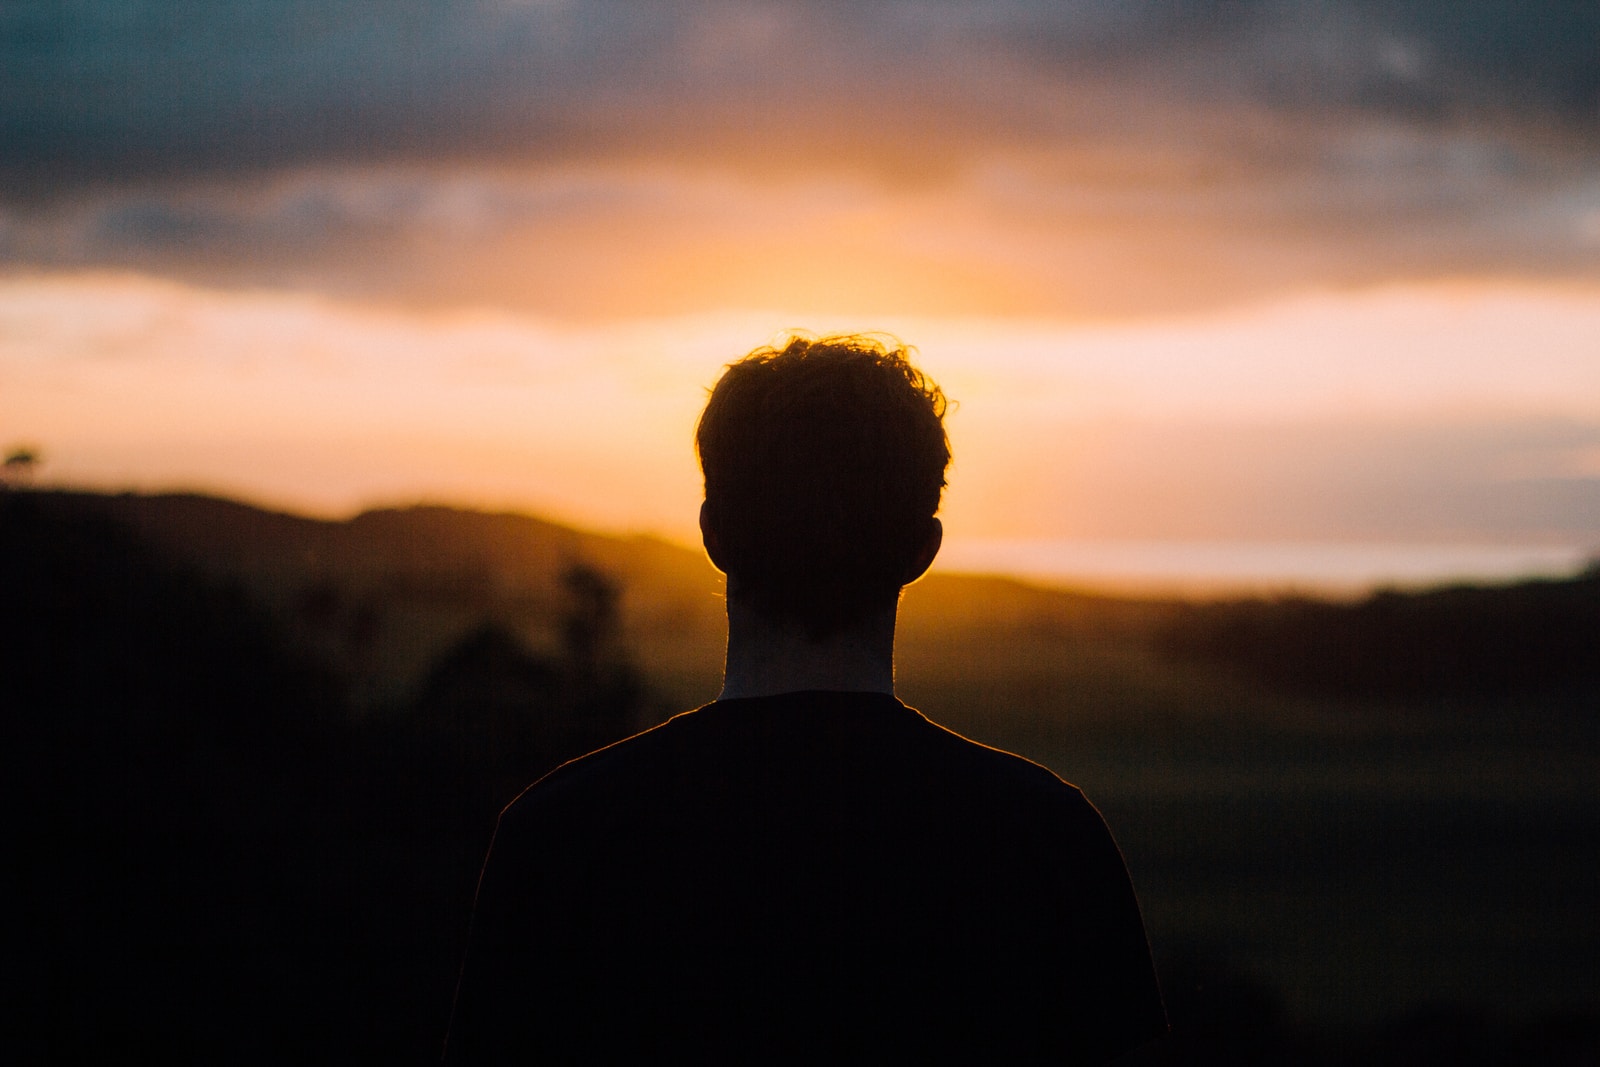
point(824, 461)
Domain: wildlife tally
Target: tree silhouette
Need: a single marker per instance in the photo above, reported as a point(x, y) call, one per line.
point(590, 624)
point(21, 463)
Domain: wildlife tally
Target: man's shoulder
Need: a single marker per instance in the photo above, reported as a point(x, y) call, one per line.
point(865, 735)
point(823, 856)
point(600, 769)
point(1018, 771)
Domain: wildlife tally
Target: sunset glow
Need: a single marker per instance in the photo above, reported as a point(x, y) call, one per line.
point(1190, 285)
point(1234, 426)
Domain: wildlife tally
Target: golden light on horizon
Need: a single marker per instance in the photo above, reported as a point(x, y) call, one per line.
point(1256, 423)
point(1147, 342)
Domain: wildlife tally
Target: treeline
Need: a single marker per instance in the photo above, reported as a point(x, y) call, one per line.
point(216, 855)
point(380, 597)
point(1457, 645)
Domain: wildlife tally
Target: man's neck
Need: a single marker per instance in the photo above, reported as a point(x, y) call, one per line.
point(767, 657)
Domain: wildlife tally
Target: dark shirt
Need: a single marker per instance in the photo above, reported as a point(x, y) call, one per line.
point(815, 875)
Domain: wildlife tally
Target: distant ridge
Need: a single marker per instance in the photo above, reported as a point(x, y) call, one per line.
point(516, 548)
point(425, 536)
point(432, 572)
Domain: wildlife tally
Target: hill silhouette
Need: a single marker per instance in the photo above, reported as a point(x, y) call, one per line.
point(382, 594)
point(405, 583)
point(220, 852)
point(254, 760)
point(378, 598)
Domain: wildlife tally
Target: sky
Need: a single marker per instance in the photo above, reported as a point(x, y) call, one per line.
point(1227, 276)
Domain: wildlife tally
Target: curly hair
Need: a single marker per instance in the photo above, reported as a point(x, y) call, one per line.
point(824, 462)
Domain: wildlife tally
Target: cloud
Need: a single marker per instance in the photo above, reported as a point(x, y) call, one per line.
point(156, 87)
point(1094, 231)
point(608, 158)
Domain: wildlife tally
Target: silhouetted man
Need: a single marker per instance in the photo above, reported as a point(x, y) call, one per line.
point(807, 869)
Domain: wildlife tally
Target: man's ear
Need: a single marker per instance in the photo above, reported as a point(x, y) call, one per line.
point(930, 549)
point(708, 537)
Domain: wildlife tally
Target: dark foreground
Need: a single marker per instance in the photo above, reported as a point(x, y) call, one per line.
point(242, 833)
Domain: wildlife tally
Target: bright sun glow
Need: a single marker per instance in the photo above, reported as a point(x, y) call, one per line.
point(1164, 430)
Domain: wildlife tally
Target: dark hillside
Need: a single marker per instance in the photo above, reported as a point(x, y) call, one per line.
point(1464, 645)
point(382, 595)
point(254, 761)
point(213, 859)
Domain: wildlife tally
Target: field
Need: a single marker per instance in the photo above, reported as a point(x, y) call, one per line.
point(259, 757)
point(1317, 859)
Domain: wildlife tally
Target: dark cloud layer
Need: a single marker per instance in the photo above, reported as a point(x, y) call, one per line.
point(94, 91)
point(417, 149)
